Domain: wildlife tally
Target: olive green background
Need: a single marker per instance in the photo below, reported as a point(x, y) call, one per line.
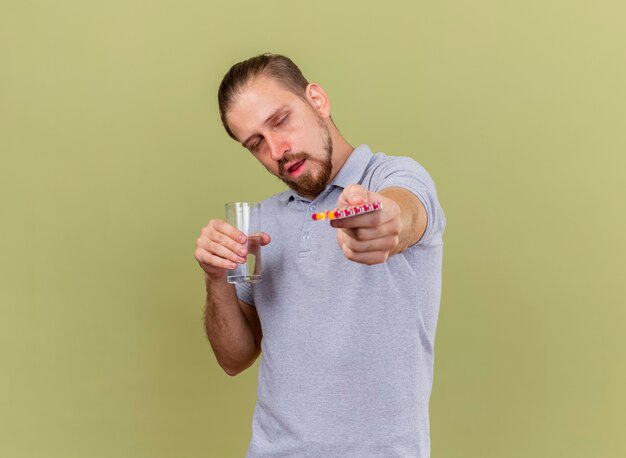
point(113, 158)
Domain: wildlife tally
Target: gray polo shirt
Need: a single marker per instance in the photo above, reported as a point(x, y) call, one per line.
point(347, 350)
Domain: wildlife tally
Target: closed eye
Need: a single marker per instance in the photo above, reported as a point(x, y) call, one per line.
point(278, 122)
point(255, 146)
point(282, 120)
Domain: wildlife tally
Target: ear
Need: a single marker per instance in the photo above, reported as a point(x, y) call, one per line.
point(318, 99)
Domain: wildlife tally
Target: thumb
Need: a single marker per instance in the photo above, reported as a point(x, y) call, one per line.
point(353, 195)
point(265, 238)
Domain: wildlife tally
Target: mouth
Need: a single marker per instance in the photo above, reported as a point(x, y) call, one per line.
point(296, 168)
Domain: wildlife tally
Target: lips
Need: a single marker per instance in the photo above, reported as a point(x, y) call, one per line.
point(294, 168)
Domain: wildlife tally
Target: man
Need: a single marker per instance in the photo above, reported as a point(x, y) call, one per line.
point(345, 313)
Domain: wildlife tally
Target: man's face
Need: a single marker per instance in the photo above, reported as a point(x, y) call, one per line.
point(285, 133)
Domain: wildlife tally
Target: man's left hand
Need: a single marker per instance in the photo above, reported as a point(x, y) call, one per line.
point(372, 237)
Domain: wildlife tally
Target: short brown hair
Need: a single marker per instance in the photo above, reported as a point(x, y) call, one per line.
point(275, 66)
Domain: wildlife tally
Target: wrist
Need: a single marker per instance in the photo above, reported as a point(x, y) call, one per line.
point(212, 279)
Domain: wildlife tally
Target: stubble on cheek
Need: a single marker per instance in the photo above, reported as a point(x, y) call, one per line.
point(312, 181)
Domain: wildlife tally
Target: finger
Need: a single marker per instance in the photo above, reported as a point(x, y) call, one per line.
point(380, 244)
point(265, 239)
point(223, 252)
point(353, 194)
point(340, 236)
point(370, 233)
point(369, 258)
point(219, 250)
point(226, 241)
point(371, 219)
point(211, 261)
point(229, 230)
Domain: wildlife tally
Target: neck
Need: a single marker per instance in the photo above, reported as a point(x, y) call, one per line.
point(341, 150)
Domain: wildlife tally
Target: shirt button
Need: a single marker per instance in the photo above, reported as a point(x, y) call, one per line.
point(312, 208)
point(305, 235)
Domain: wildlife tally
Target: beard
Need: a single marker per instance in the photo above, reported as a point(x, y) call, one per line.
point(308, 184)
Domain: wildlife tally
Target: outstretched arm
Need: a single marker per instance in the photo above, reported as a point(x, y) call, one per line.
point(371, 238)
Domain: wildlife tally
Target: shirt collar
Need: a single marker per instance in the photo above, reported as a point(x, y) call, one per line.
point(354, 167)
point(351, 173)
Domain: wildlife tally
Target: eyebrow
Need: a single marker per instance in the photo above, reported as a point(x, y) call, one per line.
point(268, 119)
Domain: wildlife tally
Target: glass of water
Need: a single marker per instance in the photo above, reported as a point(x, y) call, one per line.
point(246, 216)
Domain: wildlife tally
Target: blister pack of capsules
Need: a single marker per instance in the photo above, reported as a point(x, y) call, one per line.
point(347, 212)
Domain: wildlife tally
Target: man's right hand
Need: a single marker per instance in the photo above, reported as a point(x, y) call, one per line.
point(221, 247)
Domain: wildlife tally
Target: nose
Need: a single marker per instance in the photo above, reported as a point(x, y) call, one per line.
point(278, 146)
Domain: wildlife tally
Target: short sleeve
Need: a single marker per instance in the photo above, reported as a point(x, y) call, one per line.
point(406, 173)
